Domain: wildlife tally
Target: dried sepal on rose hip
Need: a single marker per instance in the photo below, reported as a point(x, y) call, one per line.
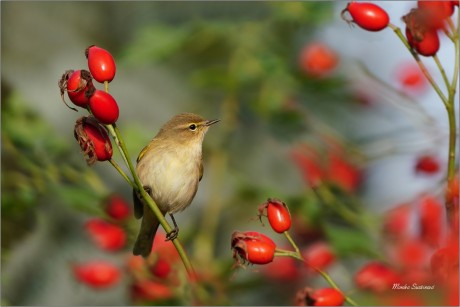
point(252, 247)
point(93, 140)
point(421, 37)
point(368, 16)
point(320, 297)
point(101, 64)
point(76, 84)
point(277, 214)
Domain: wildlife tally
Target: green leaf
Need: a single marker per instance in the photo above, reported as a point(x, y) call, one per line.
point(348, 241)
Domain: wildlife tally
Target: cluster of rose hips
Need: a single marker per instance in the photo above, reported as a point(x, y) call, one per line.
point(103, 108)
point(327, 164)
point(108, 235)
point(256, 248)
point(151, 279)
point(422, 23)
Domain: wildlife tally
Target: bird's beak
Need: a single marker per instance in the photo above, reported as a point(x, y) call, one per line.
point(211, 122)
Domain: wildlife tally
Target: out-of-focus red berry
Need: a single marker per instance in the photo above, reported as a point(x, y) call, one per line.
point(431, 220)
point(428, 45)
point(376, 277)
point(117, 208)
point(452, 189)
point(164, 249)
point(103, 106)
point(318, 255)
point(105, 235)
point(135, 264)
point(149, 290)
point(427, 164)
point(406, 299)
point(419, 276)
point(411, 78)
point(97, 274)
point(444, 262)
point(251, 249)
point(93, 140)
point(368, 16)
point(318, 60)
point(101, 64)
point(308, 161)
point(282, 269)
point(277, 213)
point(343, 173)
point(411, 254)
point(161, 268)
point(319, 297)
point(396, 222)
point(436, 12)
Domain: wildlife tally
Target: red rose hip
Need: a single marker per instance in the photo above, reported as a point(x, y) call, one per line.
point(103, 106)
point(101, 64)
point(368, 16)
point(93, 140)
point(97, 274)
point(277, 213)
point(427, 46)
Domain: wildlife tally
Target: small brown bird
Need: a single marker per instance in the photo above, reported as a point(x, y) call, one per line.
point(169, 168)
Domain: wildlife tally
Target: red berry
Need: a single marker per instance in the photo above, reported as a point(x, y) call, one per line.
point(327, 297)
point(76, 84)
point(282, 269)
point(318, 255)
point(117, 208)
point(150, 290)
point(411, 77)
point(368, 16)
point(444, 262)
point(411, 254)
point(253, 235)
point(93, 140)
point(431, 220)
point(376, 277)
point(278, 215)
point(252, 248)
point(428, 46)
point(436, 12)
point(318, 60)
point(97, 274)
point(307, 160)
point(101, 64)
point(343, 173)
point(452, 189)
point(104, 107)
point(320, 297)
point(164, 249)
point(161, 268)
point(427, 164)
point(135, 264)
point(396, 221)
point(105, 235)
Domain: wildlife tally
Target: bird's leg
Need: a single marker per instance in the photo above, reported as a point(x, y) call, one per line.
point(175, 232)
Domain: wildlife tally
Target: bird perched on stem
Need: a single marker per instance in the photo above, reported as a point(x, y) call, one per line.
point(169, 168)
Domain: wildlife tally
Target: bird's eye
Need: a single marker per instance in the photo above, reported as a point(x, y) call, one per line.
point(192, 127)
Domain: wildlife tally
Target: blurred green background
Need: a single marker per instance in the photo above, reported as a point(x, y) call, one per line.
point(234, 61)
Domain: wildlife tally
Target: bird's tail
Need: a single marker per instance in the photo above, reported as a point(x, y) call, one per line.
point(149, 227)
